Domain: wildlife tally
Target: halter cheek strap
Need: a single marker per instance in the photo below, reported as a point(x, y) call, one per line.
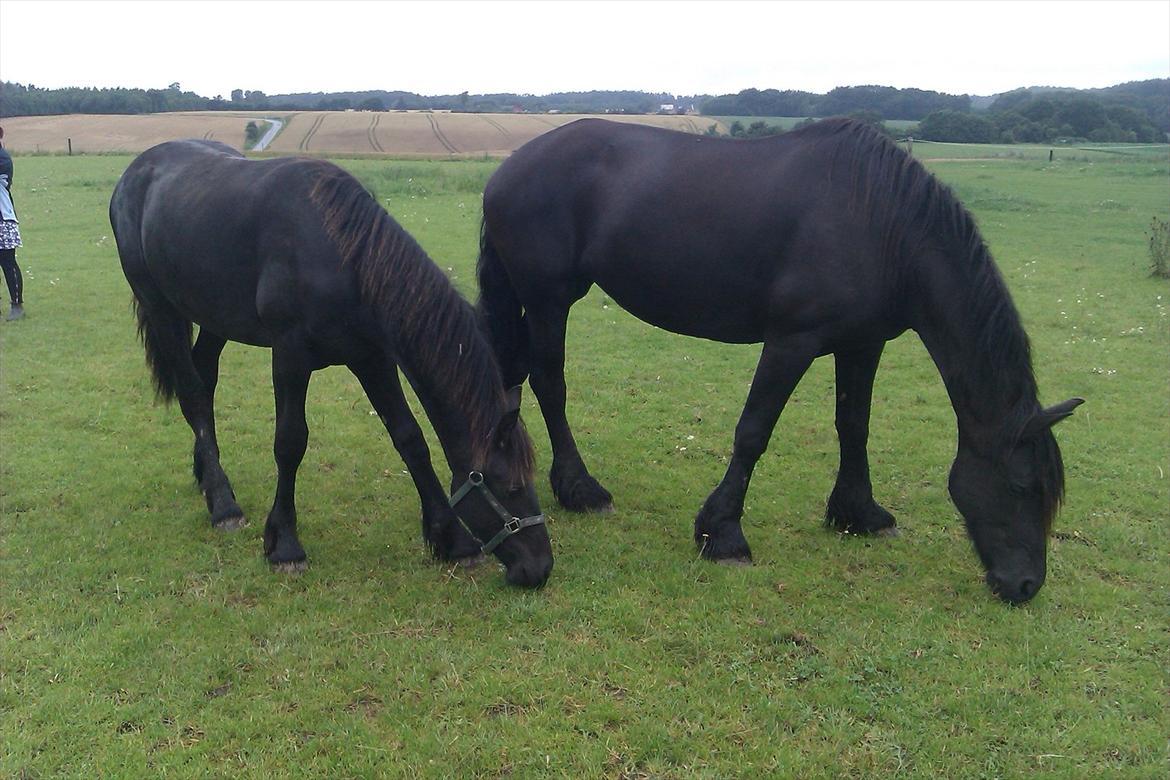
point(512, 524)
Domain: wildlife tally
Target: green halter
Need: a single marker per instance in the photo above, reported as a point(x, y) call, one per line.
point(512, 524)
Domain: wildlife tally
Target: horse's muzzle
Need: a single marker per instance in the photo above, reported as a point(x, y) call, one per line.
point(530, 572)
point(1014, 588)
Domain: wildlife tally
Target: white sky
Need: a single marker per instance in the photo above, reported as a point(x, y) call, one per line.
point(691, 47)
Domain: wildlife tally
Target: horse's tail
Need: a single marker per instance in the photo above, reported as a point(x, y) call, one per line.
point(166, 338)
point(165, 334)
point(501, 316)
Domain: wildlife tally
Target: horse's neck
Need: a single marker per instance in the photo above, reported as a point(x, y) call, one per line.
point(977, 343)
point(449, 373)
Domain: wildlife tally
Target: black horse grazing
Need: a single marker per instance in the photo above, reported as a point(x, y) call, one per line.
point(295, 255)
point(826, 240)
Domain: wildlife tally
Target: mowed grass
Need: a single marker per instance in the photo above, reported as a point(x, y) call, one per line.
point(137, 641)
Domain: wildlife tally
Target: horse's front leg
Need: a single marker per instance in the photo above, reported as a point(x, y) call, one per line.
point(290, 383)
point(717, 527)
point(442, 531)
point(851, 507)
point(572, 484)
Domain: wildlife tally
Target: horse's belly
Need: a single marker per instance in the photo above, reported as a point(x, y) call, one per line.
point(717, 309)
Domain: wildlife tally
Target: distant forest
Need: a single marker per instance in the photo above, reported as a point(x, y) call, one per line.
point(20, 100)
point(1133, 112)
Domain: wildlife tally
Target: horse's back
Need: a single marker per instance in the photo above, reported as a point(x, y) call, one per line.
point(710, 237)
point(227, 241)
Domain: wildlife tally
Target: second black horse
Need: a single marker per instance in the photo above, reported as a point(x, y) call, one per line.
point(826, 240)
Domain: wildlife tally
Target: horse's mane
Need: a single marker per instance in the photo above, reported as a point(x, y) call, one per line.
point(913, 210)
point(434, 330)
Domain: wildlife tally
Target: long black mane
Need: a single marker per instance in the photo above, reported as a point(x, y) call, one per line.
point(913, 210)
point(433, 328)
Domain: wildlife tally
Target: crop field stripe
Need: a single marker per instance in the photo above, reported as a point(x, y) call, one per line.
point(304, 144)
point(372, 132)
point(313, 133)
point(450, 147)
point(497, 125)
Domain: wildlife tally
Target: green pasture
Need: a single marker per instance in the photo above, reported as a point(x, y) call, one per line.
point(1154, 154)
point(135, 641)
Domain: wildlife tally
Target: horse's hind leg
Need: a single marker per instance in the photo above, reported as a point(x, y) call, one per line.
point(167, 338)
point(851, 507)
point(572, 484)
point(290, 384)
point(717, 526)
point(442, 531)
point(221, 502)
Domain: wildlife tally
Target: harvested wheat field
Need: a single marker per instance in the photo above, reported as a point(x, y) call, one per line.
point(434, 134)
point(91, 133)
point(397, 133)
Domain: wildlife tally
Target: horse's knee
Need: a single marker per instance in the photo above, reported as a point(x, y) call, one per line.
point(409, 441)
point(291, 441)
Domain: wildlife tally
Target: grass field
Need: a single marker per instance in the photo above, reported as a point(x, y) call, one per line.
point(136, 641)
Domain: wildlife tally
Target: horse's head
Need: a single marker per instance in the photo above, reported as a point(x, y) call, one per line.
point(1008, 497)
point(498, 505)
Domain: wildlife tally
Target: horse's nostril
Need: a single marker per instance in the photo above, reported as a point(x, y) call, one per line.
point(1027, 589)
point(529, 574)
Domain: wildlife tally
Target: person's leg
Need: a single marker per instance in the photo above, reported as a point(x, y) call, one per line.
point(15, 281)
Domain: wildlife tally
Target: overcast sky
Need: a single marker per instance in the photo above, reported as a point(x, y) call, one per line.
point(684, 48)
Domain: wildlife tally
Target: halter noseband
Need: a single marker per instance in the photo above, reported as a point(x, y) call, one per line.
point(512, 524)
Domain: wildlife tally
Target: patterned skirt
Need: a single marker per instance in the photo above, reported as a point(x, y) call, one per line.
point(9, 235)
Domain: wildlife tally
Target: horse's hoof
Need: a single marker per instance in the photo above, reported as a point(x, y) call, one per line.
point(728, 547)
point(585, 494)
point(604, 509)
point(291, 567)
point(233, 523)
point(889, 532)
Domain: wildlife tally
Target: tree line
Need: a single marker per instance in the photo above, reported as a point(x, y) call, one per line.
point(1138, 112)
point(888, 102)
point(21, 100)
point(1132, 112)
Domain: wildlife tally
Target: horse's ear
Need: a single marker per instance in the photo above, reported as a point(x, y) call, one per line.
point(510, 416)
point(1046, 418)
